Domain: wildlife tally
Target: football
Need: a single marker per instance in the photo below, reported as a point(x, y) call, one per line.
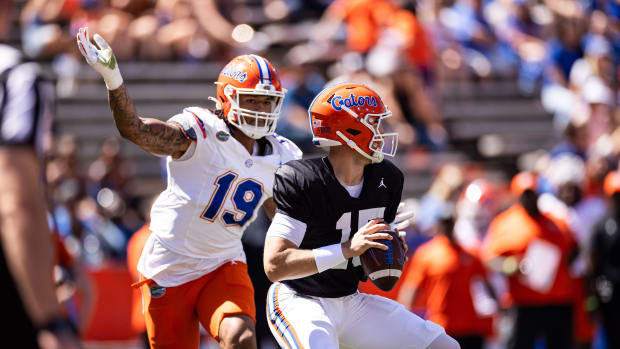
point(384, 267)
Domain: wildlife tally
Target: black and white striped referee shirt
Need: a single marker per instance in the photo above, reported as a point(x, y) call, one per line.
point(26, 102)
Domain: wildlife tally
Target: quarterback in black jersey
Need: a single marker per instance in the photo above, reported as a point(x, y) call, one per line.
point(329, 211)
point(309, 192)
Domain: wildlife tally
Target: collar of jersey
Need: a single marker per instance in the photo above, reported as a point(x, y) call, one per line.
point(326, 162)
point(269, 148)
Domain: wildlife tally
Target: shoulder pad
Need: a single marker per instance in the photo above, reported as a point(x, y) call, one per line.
point(288, 149)
point(205, 119)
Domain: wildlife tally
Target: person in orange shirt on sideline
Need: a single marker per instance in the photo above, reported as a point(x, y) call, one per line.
point(535, 253)
point(413, 38)
point(451, 284)
point(134, 250)
point(364, 20)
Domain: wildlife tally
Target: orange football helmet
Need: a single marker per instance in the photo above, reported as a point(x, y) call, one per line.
point(251, 75)
point(350, 114)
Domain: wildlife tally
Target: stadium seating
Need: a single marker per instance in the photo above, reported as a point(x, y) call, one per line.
point(473, 111)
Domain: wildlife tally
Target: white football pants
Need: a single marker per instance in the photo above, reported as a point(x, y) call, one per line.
point(358, 321)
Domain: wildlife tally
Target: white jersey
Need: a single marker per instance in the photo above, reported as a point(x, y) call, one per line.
point(214, 192)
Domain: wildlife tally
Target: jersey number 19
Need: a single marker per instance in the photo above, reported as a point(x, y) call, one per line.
point(245, 197)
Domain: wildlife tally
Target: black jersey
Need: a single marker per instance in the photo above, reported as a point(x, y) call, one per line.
point(308, 191)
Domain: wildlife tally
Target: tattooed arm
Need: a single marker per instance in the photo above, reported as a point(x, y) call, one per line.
point(155, 136)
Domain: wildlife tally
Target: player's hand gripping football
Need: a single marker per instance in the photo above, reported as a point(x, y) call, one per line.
point(365, 239)
point(101, 58)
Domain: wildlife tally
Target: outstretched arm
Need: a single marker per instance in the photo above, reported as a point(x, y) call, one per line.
point(153, 135)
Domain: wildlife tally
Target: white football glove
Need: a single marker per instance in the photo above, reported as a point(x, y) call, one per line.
point(402, 220)
point(102, 59)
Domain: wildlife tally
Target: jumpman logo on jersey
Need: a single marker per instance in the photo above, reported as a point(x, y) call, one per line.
point(381, 184)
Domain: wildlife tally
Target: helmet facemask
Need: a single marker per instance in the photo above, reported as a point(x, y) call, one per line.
point(381, 143)
point(254, 124)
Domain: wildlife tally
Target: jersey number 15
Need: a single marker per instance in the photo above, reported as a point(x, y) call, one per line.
point(345, 225)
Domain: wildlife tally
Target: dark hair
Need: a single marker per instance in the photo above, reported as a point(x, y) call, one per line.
point(219, 113)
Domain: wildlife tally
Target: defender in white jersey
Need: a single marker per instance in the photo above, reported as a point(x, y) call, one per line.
point(221, 167)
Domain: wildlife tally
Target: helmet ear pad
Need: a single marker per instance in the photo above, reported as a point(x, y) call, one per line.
point(230, 93)
point(225, 105)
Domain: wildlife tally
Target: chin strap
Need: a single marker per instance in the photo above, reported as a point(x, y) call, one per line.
point(353, 145)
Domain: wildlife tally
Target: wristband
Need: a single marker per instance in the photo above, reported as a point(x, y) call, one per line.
point(112, 80)
point(327, 257)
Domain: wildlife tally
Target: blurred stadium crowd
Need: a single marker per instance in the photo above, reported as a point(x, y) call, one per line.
point(548, 240)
